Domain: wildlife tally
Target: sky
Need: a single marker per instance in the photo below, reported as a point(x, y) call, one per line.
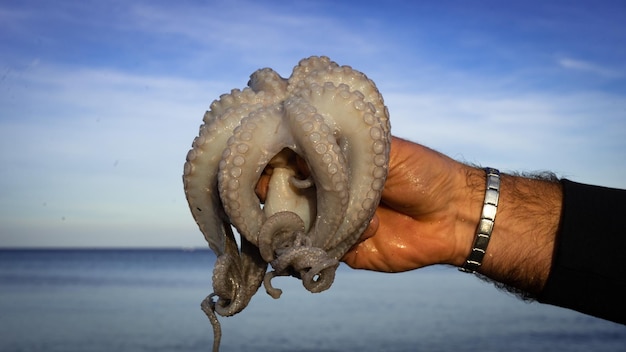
point(100, 100)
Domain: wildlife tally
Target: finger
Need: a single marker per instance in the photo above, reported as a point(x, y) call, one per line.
point(371, 229)
point(350, 256)
point(262, 186)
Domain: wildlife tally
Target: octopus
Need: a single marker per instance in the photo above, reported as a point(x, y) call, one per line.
point(321, 138)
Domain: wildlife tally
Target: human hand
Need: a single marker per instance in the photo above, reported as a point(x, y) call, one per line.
point(427, 215)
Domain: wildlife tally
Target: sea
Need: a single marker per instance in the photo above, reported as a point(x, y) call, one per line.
point(149, 300)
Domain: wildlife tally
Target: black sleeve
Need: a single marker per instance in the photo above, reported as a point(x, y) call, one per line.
point(589, 267)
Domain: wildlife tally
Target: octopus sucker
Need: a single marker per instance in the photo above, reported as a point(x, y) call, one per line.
point(362, 141)
point(326, 164)
point(320, 139)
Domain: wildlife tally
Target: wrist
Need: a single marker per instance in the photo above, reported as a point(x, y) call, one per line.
point(485, 225)
point(521, 252)
point(521, 246)
point(469, 202)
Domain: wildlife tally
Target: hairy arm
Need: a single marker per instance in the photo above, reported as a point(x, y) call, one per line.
point(430, 210)
point(522, 243)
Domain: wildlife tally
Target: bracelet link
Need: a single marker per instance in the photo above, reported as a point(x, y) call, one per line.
point(485, 225)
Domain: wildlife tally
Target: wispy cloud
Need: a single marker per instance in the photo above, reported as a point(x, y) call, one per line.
point(589, 67)
point(254, 33)
point(573, 134)
point(97, 149)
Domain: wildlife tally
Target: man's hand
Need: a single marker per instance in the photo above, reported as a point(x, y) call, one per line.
point(426, 216)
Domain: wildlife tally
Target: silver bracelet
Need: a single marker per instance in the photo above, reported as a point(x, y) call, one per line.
point(485, 225)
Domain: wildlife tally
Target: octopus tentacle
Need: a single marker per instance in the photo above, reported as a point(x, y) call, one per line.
point(313, 265)
point(253, 268)
point(279, 231)
point(314, 138)
point(268, 81)
point(200, 182)
point(243, 161)
point(364, 143)
point(208, 307)
point(237, 98)
point(357, 81)
point(235, 272)
point(236, 277)
point(199, 179)
point(317, 269)
point(306, 67)
point(302, 184)
point(267, 282)
point(283, 235)
point(227, 281)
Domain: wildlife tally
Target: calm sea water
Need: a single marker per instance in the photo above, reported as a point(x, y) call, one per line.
point(148, 300)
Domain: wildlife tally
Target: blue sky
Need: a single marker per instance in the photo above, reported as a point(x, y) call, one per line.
point(100, 100)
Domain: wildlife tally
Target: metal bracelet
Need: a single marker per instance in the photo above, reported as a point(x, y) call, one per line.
point(485, 225)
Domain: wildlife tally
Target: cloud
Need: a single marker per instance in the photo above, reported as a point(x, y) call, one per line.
point(98, 148)
point(257, 33)
point(579, 135)
point(584, 66)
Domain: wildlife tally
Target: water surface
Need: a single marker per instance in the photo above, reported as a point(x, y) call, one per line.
point(148, 300)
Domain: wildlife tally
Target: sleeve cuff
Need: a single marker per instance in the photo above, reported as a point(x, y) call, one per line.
point(588, 272)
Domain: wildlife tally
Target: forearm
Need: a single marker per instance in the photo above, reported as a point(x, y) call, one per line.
point(521, 248)
point(554, 240)
point(430, 210)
